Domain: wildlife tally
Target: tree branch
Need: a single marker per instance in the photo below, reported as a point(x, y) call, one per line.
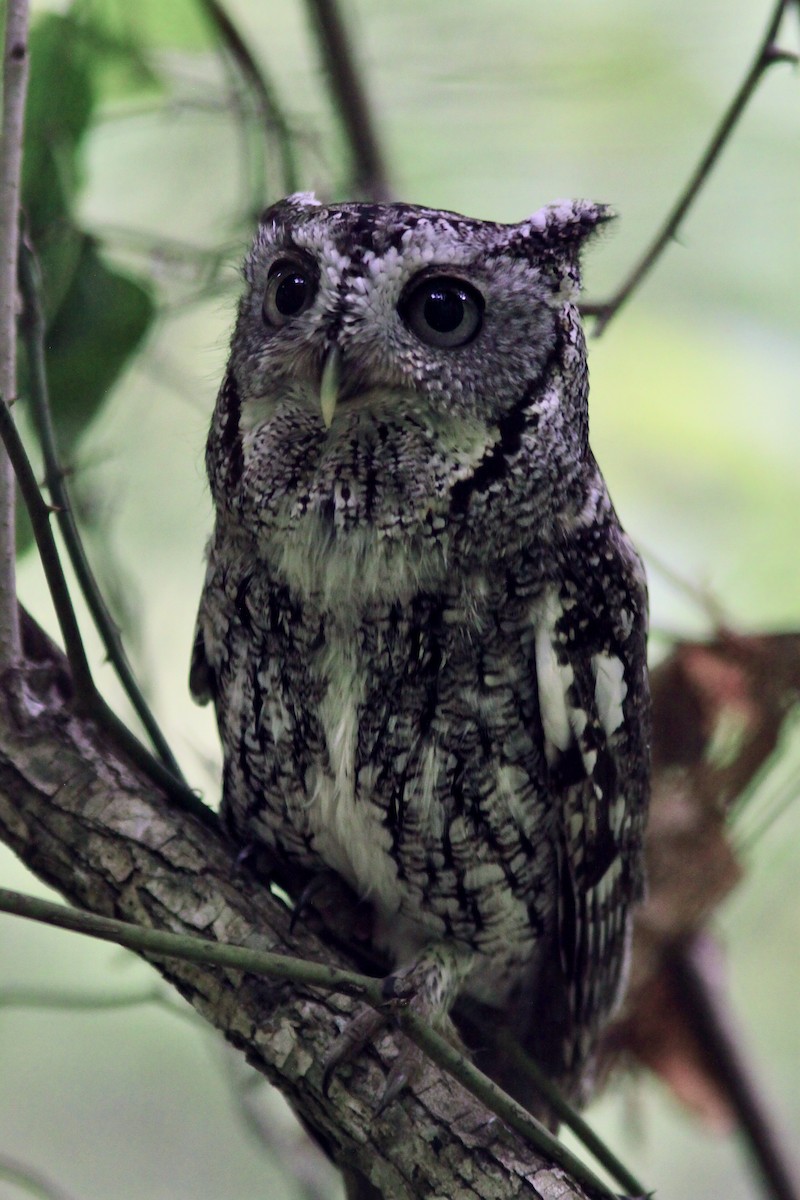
point(159, 944)
point(86, 820)
point(767, 55)
point(369, 179)
point(713, 1026)
point(15, 83)
point(39, 515)
point(269, 108)
point(81, 686)
point(34, 334)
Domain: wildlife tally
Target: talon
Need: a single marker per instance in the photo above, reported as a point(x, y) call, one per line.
point(390, 1093)
point(389, 988)
point(425, 985)
point(355, 1036)
point(406, 1069)
point(401, 985)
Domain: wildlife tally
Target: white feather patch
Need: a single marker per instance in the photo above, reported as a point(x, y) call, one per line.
point(610, 690)
point(553, 681)
point(348, 831)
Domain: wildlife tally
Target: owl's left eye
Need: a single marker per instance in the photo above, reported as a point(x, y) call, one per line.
point(291, 288)
point(442, 310)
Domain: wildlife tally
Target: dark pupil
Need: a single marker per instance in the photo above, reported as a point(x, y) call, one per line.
point(290, 294)
point(444, 310)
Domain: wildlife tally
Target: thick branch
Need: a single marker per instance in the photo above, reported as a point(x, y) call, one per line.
point(88, 823)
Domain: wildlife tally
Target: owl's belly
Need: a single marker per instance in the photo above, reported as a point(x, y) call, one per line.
point(403, 756)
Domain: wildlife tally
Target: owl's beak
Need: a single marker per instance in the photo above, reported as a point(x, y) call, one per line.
point(329, 384)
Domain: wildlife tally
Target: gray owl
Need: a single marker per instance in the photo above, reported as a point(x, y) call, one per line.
point(422, 625)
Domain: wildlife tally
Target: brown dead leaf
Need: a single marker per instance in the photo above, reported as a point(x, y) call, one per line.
point(718, 708)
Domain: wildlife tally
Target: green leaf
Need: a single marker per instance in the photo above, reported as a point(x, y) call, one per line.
point(96, 317)
point(59, 109)
point(178, 24)
point(100, 323)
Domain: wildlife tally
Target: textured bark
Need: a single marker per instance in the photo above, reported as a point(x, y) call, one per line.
point(86, 821)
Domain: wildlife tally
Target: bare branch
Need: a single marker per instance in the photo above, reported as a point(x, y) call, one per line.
point(768, 55)
point(369, 179)
point(160, 944)
point(712, 1024)
point(34, 335)
point(39, 514)
point(270, 110)
point(88, 700)
point(504, 1040)
point(15, 83)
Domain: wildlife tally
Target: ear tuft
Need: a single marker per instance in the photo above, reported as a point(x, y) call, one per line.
point(565, 224)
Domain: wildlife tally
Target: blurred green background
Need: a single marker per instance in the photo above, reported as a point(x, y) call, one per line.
point(490, 109)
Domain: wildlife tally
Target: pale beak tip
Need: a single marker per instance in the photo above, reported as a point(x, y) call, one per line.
point(329, 386)
point(328, 410)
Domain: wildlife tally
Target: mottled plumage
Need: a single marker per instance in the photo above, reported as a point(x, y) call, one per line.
point(422, 626)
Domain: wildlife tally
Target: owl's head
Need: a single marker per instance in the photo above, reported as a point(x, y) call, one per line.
point(382, 352)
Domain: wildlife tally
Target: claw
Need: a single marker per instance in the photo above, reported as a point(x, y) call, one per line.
point(428, 986)
point(363, 1028)
point(390, 1093)
point(391, 988)
point(355, 1036)
point(406, 1070)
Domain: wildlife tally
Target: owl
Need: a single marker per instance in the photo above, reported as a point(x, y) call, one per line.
point(422, 625)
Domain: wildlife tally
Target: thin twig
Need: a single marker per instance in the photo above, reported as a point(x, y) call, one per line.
point(159, 943)
point(768, 55)
point(369, 177)
point(700, 594)
point(711, 1024)
point(15, 83)
point(270, 109)
point(63, 1000)
point(446, 1056)
point(155, 770)
point(504, 1040)
point(745, 842)
point(162, 944)
point(27, 1179)
point(89, 702)
point(34, 337)
point(39, 514)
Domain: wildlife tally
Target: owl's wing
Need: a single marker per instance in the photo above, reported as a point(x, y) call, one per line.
point(594, 706)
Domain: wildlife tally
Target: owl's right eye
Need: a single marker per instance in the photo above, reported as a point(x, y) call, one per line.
point(442, 310)
point(291, 288)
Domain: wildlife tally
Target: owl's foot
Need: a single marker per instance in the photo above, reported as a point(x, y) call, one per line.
point(428, 987)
